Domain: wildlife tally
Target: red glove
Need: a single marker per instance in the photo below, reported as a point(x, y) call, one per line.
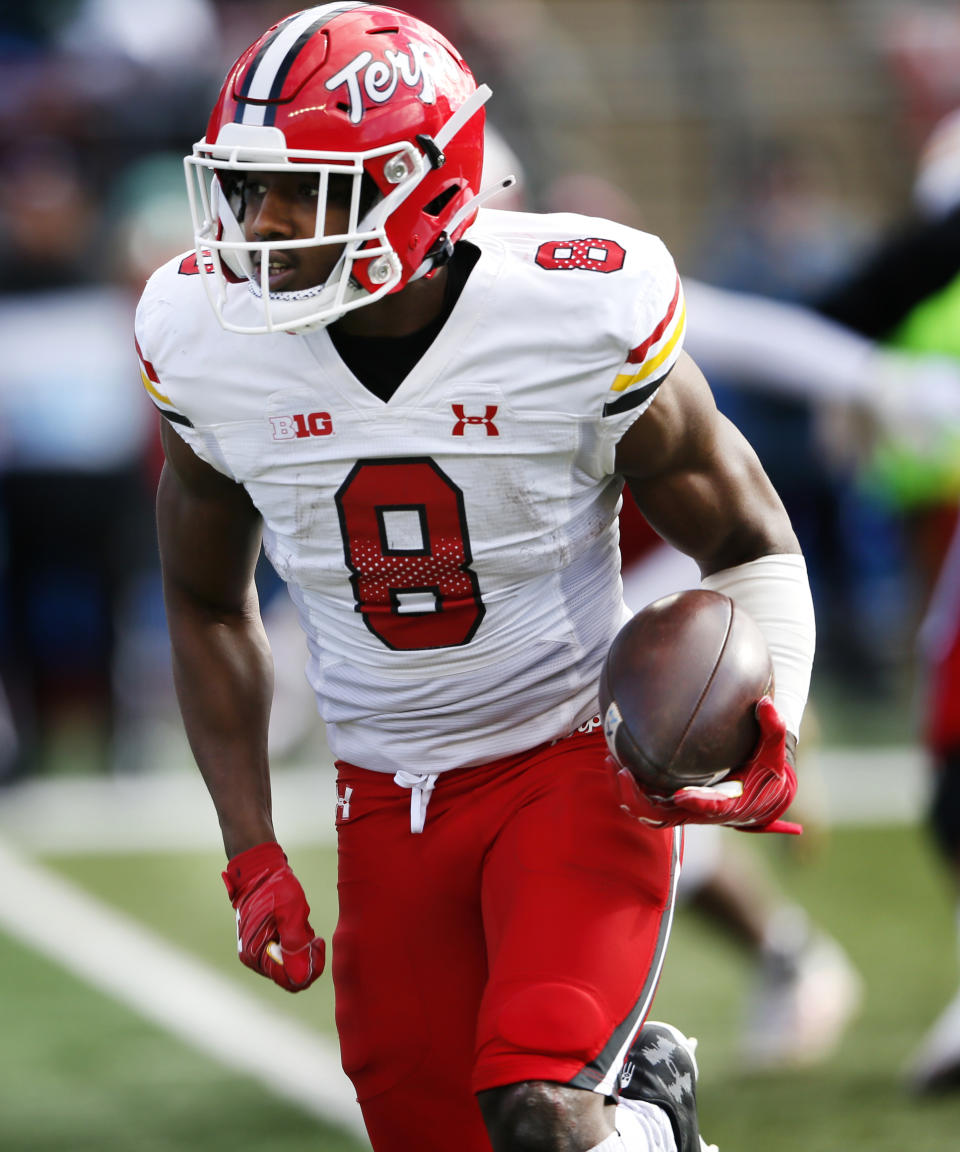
point(750, 799)
point(274, 936)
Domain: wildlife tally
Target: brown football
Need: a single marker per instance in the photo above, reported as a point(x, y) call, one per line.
point(679, 688)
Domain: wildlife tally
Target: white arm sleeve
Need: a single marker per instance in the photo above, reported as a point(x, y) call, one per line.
point(776, 593)
point(776, 346)
point(784, 349)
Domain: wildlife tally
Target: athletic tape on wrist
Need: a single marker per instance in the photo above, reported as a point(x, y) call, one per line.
point(776, 592)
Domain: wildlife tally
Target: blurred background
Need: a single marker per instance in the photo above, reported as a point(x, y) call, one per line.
point(795, 151)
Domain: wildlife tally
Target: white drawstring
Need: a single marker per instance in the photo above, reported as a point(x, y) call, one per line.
point(420, 785)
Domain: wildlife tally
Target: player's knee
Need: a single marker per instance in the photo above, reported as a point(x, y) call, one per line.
point(538, 1116)
point(555, 1029)
point(945, 806)
point(555, 1021)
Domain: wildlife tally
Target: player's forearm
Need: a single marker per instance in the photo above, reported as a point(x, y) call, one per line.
point(776, 592)
point(223, 672)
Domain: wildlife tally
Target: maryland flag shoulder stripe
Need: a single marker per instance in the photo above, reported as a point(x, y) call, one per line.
point(648, 363)
point(151, 381)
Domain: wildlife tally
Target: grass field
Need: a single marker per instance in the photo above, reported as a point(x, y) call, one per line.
point(79, 1071)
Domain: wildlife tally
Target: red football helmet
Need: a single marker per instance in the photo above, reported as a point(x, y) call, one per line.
point(346, 90)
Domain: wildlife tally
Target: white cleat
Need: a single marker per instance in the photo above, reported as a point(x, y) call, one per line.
point(936, 1065)
point(802, 1007)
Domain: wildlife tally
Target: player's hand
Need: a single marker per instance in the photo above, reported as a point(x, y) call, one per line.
point(750, 799)
point(274, 936)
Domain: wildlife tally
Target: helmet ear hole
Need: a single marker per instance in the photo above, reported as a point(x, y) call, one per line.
point(436, 206)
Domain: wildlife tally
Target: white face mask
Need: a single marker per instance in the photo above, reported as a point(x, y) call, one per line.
point(225, 255)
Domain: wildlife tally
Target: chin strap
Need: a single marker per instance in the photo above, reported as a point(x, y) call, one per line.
point(433, 147)
point(479, 200)
point(442, 249)
point(469, 108)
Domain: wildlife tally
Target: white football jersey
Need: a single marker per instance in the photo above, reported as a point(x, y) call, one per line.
point(452, 552)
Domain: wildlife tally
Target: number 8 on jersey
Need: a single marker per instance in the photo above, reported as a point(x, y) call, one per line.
point(406, 544)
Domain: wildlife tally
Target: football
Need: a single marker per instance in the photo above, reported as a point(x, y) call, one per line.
point(679, 688)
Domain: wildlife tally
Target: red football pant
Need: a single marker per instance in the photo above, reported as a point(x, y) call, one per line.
point(518, 937)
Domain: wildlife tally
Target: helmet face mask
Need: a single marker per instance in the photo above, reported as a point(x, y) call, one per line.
point(382, 112)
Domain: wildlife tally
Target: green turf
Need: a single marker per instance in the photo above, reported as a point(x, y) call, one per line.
point(80, 1073)
point(83, 1073)
point(880, 892)
point(183, 897)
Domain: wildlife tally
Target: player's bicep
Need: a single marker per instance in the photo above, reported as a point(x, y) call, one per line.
point(675, 431)
point(698, 481)
point(208, 531)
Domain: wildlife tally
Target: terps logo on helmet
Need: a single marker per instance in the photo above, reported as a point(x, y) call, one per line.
point(364, 90)
point(378, 79)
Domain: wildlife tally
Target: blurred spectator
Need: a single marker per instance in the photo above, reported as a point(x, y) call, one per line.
point(49, 219)
point(108, 67)
point(787, 236)
point(91, 89)
point(906, 292)
point(76, 489)
point(805, 990)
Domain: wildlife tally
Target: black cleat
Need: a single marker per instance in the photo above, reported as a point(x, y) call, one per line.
point(661, 1069)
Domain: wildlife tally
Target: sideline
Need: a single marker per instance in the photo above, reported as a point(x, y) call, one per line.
point(170, 810)
point(159, 811)
point(173, 990)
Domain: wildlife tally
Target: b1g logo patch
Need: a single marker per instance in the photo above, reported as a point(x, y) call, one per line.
point(301, 425)
point(589, 255)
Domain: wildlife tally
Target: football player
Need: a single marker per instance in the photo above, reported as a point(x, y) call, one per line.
point(427, 410)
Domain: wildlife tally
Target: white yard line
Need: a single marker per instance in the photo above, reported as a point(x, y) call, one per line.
point(167, 810)
point(171, 811)
point(175, 991)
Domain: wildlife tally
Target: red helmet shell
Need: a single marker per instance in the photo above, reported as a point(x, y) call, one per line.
point(352, 77)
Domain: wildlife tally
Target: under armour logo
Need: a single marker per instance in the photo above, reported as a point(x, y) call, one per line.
point(484, 421)
point(343, 805)
point(612, 719)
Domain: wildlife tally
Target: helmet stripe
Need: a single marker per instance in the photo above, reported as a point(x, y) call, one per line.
point(266, 75)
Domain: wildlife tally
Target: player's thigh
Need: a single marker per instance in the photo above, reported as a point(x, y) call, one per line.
point(578, 899)
point(409, 966)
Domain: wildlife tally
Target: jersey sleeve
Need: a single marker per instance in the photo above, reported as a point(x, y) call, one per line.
point(658, 331)
point(150, 379)
point(156, 341)
point(651, 337)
